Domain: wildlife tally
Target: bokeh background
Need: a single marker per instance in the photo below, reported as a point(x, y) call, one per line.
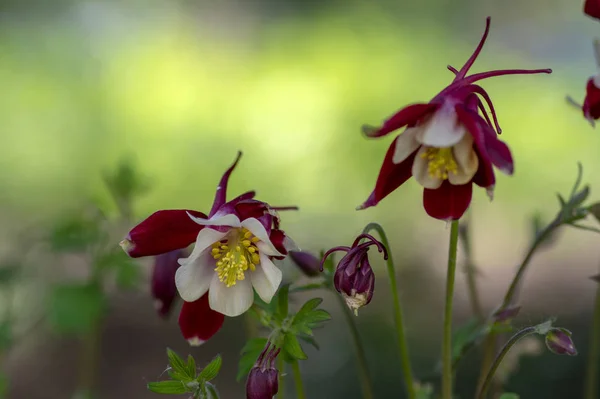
point(179, 86)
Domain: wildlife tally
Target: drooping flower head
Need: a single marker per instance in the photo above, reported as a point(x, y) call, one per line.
point(306, 262)
point(591, 102)
point(235, 245)
point(448, 144)
point(354, 277)
point(263, 380)
point(163, 287)
point(559, 341)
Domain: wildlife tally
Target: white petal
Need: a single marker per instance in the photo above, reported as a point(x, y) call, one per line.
point(405, 145)
point(230, 301)
point(442, 129)
point(193, 278)
point(205, 239)
point(467, 161)
point(258, 230)
point(266, 278)
point(420, 171)
point(290, 245)
point(226, 220)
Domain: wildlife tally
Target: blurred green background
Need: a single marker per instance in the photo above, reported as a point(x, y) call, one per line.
point(180, 86)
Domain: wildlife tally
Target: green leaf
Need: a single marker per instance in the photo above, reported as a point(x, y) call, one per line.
point(580, 197)
point(74, 235)
point(465, 336)
point(75, 308)
point(191, 366)
point(282, 302)
point(310, 341)
point(180, 367)
point(168, 387)
point(212, 369)
point(211, 391)
point(249, 354)
point(293, 348)
point(310, 305)
point(508, 395)
point(308, 317)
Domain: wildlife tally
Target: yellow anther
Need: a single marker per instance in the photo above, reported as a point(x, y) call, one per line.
point(255, 239)
point(441, 162)
point(235, 256)
point(247, 234)
point(246, 243)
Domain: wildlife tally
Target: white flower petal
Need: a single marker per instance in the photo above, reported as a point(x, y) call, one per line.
point(442, 129)
point(405, 145)
point(258, 230)
point(466, 160)
point(290, 245)
point(205, 239)
point(230, 301)
point(226, 220)
point(193, 278)
point(420, 171)
point(266, 278)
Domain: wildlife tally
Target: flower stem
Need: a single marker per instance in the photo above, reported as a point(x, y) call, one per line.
point(298, 380)
point(398, 318)
point(489, 345)
point(591, 379)
point(447, 338)
point(363, 369)
point(471, 271)
point(281, 368)
point(505, 349)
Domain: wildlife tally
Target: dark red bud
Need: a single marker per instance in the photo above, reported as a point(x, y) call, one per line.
point(307, 262)
point(163, 287)
point(558, 341)
point(263, 380)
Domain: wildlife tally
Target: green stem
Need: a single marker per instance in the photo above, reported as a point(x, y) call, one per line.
point(398, 318)
point(363, 369)
point(505, 349)
point(591, 380)
point(447, 338)
point(281, 368)
point(489, 345)
point(298, 380)
point(90, 358)
point(470, 270)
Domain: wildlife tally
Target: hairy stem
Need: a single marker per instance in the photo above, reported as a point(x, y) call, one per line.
point(505, 349)
point(398, 317)
point(363, 369)
point(447, 337)
point(298, 380)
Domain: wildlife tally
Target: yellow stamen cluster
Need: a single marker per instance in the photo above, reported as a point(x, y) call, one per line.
point(235, 255)
point(440, 162)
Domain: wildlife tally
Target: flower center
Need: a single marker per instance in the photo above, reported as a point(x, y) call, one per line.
point(235, 255)
point(440, 162)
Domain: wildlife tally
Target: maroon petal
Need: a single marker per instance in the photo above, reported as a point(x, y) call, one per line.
point(221, 195)
point(500, 155)
point(407, 116)
point(592, 8)
point(391, 176)
point(484, 177)
point(591, 104)
point(162, 232)
point(449, 202)
point(163, 287)
point(198, 322)
point(277, 238)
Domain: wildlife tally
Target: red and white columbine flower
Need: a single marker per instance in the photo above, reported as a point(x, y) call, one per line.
point(447, 144)
point(233, 255)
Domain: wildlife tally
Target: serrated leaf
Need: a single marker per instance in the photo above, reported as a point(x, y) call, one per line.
point(212, 369)
point(508, 395)
point(310, 340)
point(282, 302)
point(309, 306)
point(249, 354)
point(317, 316)
point(293, 348)
point(191, 366)
point(179, 366)
point(168, 387)
point(75, 308)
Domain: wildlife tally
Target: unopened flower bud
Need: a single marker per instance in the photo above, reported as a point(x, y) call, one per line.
point(558, 341)
point(263, 380)
point(307, 262)
point(505, 315)
point(354, 277)
point(163, 287)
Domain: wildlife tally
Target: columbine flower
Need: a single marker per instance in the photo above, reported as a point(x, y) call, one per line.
point(447, 144)
point(592, 8)
point(234, 248)
point(163, 287)
point(354, 277)
point(558, 341)
point(263, 380)
point(307, 262)
point(198, 322)
point(591, 102)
